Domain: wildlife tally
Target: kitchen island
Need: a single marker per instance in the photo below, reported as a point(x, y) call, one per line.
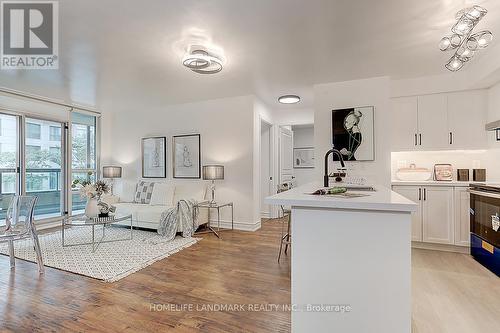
point(351, 260)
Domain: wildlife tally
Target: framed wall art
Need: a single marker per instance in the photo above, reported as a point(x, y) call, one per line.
point(187, 156)
point(303, 158)
point(154, 153)
point(353, 133)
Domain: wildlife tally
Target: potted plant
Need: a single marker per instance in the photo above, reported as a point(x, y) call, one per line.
point(93, 193)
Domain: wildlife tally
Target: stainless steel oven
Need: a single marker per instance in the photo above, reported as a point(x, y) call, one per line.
point(485, 225)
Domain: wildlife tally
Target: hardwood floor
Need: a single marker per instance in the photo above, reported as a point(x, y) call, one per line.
point(241, 268)
point(451, 292)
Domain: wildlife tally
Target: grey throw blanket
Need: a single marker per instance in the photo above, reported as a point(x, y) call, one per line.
point(182, 217)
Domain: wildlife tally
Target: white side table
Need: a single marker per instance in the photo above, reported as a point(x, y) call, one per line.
point(209, 206)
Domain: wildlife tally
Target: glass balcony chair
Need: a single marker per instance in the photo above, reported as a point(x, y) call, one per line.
point(19, 225)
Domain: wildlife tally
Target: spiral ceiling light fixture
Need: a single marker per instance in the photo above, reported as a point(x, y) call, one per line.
point(462, 40)
point(202, 62)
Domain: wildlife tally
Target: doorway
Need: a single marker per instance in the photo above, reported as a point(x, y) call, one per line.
point(265, 168)
point(32, 161)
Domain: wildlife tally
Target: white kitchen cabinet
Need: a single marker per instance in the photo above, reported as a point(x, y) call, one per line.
point(413, 193)
point(462, 216)
point(440, 121)
point(435, 219)
point(438, 215)
point(432, 121)
point(466, 119)
point(404, 127)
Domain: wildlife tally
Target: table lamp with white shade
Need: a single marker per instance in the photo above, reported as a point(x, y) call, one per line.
point(213, 173)
point(111, 172)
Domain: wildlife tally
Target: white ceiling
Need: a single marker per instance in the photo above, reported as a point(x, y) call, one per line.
point(130, 51)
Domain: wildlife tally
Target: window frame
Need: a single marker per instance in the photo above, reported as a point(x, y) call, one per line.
point(66, 152)
point(88, 169)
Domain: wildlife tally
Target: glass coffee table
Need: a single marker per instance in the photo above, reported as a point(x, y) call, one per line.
point(84, 221)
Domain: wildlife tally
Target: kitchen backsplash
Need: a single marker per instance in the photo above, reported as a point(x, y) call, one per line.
point(460, 159)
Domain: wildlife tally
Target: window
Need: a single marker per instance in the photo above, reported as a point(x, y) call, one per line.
point(8, 161)
point(83, 154)
point(33, 131)
point(54, 181)
point(43, 164)
point(54, 133)
point(55, 151)
point(32, 150)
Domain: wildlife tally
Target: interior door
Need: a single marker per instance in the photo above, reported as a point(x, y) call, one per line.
point(286, 155)
point(9, 161)
point(413, 193)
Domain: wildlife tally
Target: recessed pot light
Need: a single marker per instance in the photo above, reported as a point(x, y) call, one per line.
point(289, 99)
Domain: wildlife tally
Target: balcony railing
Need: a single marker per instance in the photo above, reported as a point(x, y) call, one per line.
point(49, 202)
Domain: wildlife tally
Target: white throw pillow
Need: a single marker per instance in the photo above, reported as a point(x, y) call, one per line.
point(125, 190)
point(163, 195)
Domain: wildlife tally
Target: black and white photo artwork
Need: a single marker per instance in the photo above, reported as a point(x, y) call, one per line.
point(303, 158)
point(353, 133)
point(187, 156)
point(154, 152)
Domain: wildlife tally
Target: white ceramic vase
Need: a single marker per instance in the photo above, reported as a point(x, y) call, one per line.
point(92, 208)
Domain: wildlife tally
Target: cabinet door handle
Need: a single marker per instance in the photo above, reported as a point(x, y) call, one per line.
point(425, 194)
point(420, 138)
point(451, 138)
point(419, 194)
point(416, 142)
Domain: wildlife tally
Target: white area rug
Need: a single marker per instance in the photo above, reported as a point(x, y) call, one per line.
point(111, 261)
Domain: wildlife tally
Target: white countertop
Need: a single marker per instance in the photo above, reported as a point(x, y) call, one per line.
point(383, 199)
point(453, 183)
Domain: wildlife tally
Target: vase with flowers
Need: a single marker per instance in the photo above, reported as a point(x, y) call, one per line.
point(93, 192)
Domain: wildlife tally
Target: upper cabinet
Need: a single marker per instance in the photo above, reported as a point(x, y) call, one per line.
point(440, 121)
point(432, 122)
point(467, 114)
point(404, 129)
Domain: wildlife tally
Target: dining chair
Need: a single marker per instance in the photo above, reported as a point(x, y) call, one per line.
point(286, 219)
point(19, 225)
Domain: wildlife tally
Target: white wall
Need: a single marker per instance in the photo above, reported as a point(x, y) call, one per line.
point(227, 137)
point(293, 116)
point(368, 92)
point(493, 112)
point(303, 137)
point(265, 164)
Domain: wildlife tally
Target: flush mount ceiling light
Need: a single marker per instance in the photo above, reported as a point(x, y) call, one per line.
point(289, 99)
point(202, 62)
point(463, 41)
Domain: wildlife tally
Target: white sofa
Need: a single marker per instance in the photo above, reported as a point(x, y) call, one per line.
point(165, 195)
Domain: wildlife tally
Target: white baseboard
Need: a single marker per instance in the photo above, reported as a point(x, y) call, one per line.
point(441, 247)
point(265, 215)
point(224, 224)
point(238, 225)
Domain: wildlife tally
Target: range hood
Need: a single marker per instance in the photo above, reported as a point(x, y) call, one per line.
point(494, 126)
